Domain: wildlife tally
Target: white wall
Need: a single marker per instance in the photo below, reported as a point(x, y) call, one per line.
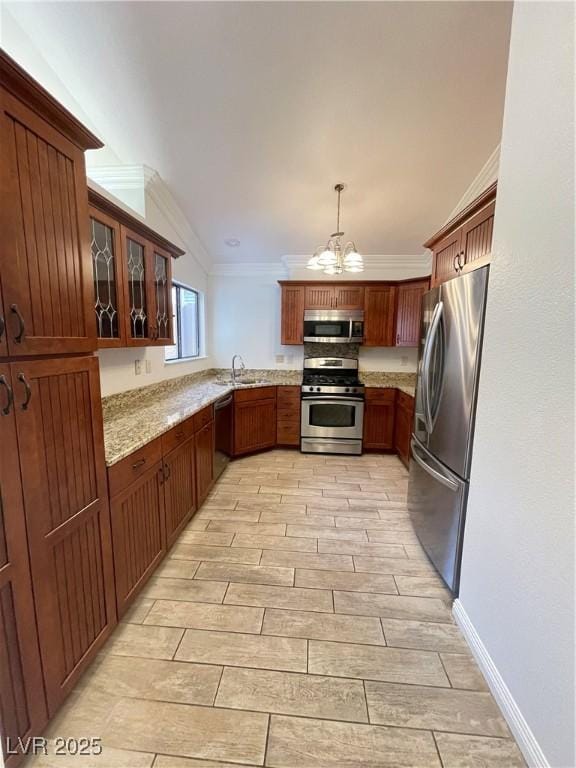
point(518, 565)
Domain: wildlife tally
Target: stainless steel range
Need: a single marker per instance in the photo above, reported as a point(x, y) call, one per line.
point(332, 406)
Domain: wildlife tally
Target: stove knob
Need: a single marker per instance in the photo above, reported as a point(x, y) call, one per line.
point(317, 389)
point(311, 389)
point(354, 389)
point(347, 389)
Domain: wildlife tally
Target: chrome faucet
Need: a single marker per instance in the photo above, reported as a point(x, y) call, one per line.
point(242, 367)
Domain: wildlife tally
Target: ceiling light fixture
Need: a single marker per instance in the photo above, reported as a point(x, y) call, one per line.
point(334, 258)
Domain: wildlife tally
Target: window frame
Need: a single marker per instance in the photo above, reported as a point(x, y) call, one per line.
point(177, 315)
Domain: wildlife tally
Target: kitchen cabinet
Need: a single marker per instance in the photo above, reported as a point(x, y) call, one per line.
point(132, 278)
point(465, 242)
point(319, 297)
point(323, 296)
point(254, 419)
point(204, 446)
point(403, 426)
point(292, 320)
point(61, 451)
point(179, 489)
point(379, 415)
point(23, 711)
point(379, 315)
point(288, 416)
point(408, 312)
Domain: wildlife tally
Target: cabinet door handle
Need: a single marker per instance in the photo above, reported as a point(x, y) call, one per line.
point(397, 338)
point(138, 464)
point(2, 326)
point(9, 395)
point(162, 476)
point(22, 379)
point(167, 471)
point(455, 262)
point(461, 265)
point(21, 325)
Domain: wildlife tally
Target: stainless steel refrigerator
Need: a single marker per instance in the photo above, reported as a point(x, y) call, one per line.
point(441, 443)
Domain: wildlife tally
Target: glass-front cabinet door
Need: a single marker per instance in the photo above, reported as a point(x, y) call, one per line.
point(161, 295)
point(139, 328)
point(108, 280)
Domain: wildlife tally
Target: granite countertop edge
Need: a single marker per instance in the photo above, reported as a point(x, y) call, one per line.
point(135, 425)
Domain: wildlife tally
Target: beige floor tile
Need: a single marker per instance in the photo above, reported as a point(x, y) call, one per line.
point(190, 731)
point(478, 752)
point(289, 542)
point(237, 489)
point(328, 532)
point(323, 626)
point(234, 649)
point(393, 537)
point(217, 513)
point(85, 711)
point(154, 679)
point(241, 526)
point(288, 693)
point(463, 672)
point(414, 551)
point(197, 524)
point(371, 524)
point(392, 606)
point(401, 566)
point(279, 597)
point(302, 494)
point(256, 499)
point(370, 662)
point(206, 537)
point(297, 518)
point(291, 507)
point(291, 482)
point(414, 706)
point(216, 554)
point(152, 642)
point(164, 761)
point(357, 582)
point(356, 496)
point(221, 504)
point(326, 485)
point(344, 547)
point(422, 586)
point(138, 611)
point(364, 514)
point(176, 569)
point(229, 618)
point(321, 505)
point(307, 560)
point(109, 757)
point(423, 635)
point(186, 589)
point(250, 574)
point(307, 743)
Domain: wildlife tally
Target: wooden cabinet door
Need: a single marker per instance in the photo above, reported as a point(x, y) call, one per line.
point(445, 258)
point(160, 295)
point(138, 534)
point(409, 312)
point(292, 322)
point(379, 315)
point(3, 330)
point(109, 308)
point(403, 426)
point(60, 437)
point(379, 413)
point(254, 425)
point(22, 702)
point(476, 236)
point(319, 297)
point(45, 251)
point(137, 293)
point(348, 297)
point(179, 489)
point(204, 447)
point(288, 416)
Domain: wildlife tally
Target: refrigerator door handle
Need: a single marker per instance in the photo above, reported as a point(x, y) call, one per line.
point(447, 481)
point(434, 325)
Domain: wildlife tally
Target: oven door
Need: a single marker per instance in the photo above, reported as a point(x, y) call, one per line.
point(328, 331)
point(329, 416)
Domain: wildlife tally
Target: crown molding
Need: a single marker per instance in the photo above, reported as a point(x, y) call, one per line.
point(249, 269)
point(487, 175)
point(119, 177)
point(371, 261)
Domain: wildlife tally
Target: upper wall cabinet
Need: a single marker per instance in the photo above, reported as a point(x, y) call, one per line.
point(391, 309)
point(45, 267)
point(465, 242)
point(132, 275)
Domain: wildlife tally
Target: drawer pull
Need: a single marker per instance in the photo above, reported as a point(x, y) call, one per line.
point(138, 464)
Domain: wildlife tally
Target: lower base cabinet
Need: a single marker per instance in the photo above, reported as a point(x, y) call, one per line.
point(288, 416)
point(379, 415)
point(179, 489)
point(204, 448)
point(254, 420)
point(403, 428)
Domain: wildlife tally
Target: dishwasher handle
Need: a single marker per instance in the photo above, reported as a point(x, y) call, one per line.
point(219, 404)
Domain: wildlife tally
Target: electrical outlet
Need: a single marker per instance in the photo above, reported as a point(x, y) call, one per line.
point(404, 360)
point(279, 358)
point(148, 366)
point(137, 367)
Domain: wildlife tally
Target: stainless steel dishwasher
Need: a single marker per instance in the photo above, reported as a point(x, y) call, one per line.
point(224, 433)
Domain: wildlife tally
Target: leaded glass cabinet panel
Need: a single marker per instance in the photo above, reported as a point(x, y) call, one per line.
point(162, 295)
point(138, 306)
point(107, 271)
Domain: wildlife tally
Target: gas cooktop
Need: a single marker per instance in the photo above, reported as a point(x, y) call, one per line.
point(328, 375)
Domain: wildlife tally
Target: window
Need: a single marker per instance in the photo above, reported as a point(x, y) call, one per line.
point(186, 303)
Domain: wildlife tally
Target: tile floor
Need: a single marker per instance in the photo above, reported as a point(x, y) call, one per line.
point(296, 623)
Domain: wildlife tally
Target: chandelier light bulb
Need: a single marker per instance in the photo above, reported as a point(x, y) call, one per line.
point(313, 263)
point(333, 258)
point(353, 258)
point(354, 268)
point(327, 258)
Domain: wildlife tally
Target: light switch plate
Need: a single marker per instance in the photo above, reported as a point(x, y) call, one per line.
point(148, 366)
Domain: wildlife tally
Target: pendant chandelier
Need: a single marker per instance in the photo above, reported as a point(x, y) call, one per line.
point(335, 258)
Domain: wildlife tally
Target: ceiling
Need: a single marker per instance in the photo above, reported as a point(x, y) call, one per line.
point(252, 111)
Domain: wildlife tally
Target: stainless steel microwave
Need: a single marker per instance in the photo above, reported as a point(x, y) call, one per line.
point(329, 325)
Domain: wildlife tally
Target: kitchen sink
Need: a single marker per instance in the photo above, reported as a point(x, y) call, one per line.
point(241, 382)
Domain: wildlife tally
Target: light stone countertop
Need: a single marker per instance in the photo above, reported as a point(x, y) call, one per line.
point(134, 418)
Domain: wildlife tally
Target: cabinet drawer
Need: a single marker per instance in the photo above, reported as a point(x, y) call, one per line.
point(381, 395)
point(125, 472)
point(405, 401)
point(289, 414)
point(287, 432)
point(203, 417)
point(288, 395)
point(177, 435)
point(259, 393)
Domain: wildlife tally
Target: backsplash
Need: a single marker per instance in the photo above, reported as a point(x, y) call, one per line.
point(318, 349)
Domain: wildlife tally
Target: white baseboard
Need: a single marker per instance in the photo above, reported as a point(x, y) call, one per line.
point(522, 733)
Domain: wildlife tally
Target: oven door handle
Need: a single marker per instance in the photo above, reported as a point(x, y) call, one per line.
point(331, 399)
